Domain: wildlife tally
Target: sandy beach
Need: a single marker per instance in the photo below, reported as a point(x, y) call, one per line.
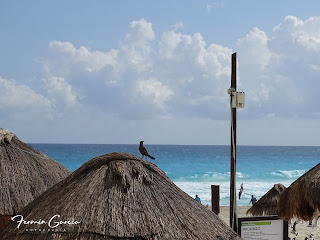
point(302, 227)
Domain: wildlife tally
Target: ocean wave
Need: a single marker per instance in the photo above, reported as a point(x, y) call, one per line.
point(209, 176)
point(203, 189)
point(288, 174)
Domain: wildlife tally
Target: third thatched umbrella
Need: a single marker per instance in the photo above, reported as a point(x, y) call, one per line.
point(302, 198)
point(268, 203)
point(118, 196)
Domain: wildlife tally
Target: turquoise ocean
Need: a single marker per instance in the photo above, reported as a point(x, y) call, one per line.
point(195, 168)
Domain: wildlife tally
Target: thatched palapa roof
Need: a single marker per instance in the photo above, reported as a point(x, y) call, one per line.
point(302, 198)
point(25, 173)
point(268, 203)
point(119, 196)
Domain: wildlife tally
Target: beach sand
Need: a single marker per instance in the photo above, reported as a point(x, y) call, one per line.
point(302, 228)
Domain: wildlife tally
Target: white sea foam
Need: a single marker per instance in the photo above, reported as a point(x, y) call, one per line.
point(288, 174)
point(203, 189)
point(210, 176)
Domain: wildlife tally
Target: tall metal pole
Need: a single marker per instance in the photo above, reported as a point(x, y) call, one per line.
point(233, 199)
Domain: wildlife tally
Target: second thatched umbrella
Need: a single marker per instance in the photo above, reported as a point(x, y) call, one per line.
point(302, 198)
point(268, 203)
point(118, 196)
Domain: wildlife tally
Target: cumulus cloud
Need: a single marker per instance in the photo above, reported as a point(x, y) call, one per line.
point(181, 75)
point(65, 59)
point(178, 71)
point(255, 46)
point(175, 76)
point(140, 33)
point(196, 72)
point(154, 91)
point(61, 90)
point(280, 71)
point(301, 33)
point(20, 99)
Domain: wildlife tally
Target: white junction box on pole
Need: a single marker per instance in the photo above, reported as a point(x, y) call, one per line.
point(240, 100)
point(237, 98)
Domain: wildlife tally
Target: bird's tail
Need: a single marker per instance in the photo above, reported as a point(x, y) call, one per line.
point(150, 157)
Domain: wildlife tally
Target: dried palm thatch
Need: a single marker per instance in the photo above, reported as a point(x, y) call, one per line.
point(119, 196)
point(302, 198)
point(268, 203)
point(25, 173)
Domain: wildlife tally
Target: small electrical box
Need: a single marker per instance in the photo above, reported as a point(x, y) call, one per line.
point(240, 99)
point(237, 98)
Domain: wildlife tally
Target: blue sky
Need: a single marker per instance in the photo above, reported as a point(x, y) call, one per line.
point(125, 71)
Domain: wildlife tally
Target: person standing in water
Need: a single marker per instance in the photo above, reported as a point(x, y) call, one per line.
point(253, 200)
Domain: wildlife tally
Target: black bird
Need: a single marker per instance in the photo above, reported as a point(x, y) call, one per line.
point(241, 190)
point(144, 151)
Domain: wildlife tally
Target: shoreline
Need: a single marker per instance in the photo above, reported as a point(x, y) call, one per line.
point(302, 228)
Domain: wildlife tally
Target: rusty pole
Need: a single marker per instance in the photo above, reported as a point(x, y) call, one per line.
point(233, 199)
point(215, 199)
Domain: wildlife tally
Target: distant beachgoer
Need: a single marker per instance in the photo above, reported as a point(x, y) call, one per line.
point(241, 190)
point(198, 199)
point(253, 200)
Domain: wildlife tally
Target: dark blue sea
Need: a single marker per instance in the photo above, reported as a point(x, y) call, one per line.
point(195, 168)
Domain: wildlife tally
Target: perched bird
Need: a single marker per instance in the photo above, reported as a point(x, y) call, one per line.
point(241, 190)
point(144, 151)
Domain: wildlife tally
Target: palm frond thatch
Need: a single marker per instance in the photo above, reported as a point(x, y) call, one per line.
point(268, 203)
point(25, 173)
point(120, 196)
point(302, 198)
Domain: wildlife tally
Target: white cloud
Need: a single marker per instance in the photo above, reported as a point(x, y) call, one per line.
point(196, 73)
point(255, 47)
point(20, 99)
point(280, 72)
point(59, 89)
point(181, 75)
point(140, 33)
point(182, 72)
point(64, 59)
point(190, 52)
point(173, 75)
point(155, 91)
point(295, 31)
point(258, 95)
